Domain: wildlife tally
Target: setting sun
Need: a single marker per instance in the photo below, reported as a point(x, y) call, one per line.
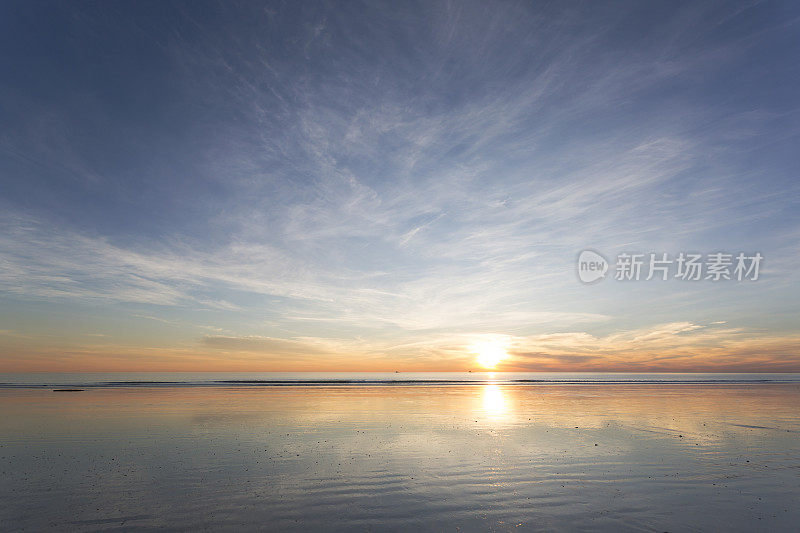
point(490, 353)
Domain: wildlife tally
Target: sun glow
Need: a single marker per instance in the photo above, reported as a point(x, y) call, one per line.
point(490, 353)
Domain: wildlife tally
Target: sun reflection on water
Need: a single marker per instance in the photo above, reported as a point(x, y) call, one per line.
point(495, 404)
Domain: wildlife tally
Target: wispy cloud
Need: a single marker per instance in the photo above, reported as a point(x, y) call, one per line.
point(678, 346)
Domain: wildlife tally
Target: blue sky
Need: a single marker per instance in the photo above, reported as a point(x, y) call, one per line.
point(269, 186)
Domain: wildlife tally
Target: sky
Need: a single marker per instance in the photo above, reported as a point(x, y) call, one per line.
point(288, 186)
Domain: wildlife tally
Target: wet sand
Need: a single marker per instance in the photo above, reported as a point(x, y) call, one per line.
point(606, 457)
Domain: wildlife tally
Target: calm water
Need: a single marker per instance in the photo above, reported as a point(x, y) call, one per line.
point(498, 456)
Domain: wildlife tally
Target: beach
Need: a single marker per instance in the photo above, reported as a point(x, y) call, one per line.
point(435, 457)
point(432, 266)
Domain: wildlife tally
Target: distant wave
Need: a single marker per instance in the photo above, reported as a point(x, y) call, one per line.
point(410, 379)
point(486, 382)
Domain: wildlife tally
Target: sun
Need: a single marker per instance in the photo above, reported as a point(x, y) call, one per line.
point(489, 353)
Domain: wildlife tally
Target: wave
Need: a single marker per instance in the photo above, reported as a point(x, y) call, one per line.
point(74, 381)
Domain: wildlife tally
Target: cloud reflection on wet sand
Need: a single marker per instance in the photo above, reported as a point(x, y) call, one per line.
point(625, 456)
